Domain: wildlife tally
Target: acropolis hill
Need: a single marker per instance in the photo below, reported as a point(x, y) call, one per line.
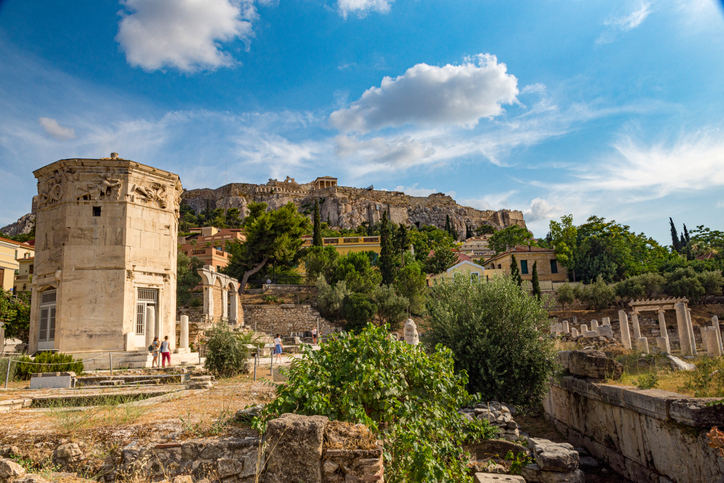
point(347, 207)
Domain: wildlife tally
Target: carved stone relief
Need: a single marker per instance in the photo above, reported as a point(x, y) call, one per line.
point(54, 188)
point(155, 193)
point(101, 187)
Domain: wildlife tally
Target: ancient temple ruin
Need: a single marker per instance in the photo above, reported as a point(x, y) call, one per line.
point(105, 261)
point(221, 297)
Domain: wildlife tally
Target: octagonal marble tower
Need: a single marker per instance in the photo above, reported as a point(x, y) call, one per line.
point(105, 259)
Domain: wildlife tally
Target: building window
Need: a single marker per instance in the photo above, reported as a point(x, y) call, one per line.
point(145, 301)
point(524, 267)
point(475, 275)
point(554, 266)
point(46, 330)
point(96, 211)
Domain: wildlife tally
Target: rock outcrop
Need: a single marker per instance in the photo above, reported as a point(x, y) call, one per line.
point(346, 207)
point(23, 226)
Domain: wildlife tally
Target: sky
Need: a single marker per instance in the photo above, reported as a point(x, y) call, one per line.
point(611, 108)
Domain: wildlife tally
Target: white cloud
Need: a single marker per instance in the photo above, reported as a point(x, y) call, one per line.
point(541, 209)
point(363, 7)
point(414, 190)
point(183, 34)
point(381, 154)
point(53, 128)
point(492, 201)
point(617, 25)
point(433, 96)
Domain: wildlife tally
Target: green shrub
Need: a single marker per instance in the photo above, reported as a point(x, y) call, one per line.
point(644, 286)
point(4, 370)
point(565, 295)
point(330, 298)
point(225, 354)
point(357, 310)
point(497, 334)
point(683, 282)
point(391, 307)
point(708, 378)
point(598, 295)
point(407, 397)
point(46, 362)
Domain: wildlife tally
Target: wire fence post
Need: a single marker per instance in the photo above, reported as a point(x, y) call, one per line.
point(7, 375)
point(256, 361)
point(110, 361)
point(271, 358)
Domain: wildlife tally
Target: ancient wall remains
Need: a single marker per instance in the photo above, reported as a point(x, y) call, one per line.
point(285, 319)
point(645, 435)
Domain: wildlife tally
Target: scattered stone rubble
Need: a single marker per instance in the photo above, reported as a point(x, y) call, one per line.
point(554, 463)
point(499, 415)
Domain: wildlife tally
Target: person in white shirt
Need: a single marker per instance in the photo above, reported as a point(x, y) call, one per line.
point(278, 348)
point(314, 335)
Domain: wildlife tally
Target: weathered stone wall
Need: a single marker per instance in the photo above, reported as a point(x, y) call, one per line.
point(297, 448)
point(348, 207)
point(645, 435)
point(285, 319)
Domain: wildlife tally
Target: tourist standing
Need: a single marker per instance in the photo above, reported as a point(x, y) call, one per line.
point(314, 335)
point(153, 349)
point(278, 348)
point(165, 352)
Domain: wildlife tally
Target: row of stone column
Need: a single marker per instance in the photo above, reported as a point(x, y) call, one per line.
point(711, 336)
point(603, 330)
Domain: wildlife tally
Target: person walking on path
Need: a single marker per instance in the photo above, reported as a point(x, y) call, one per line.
point(314, 335)
point(278, 348)
point(153, 349)
point(165, 352)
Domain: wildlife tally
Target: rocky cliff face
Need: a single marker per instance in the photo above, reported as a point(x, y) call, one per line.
point(21, 227)
point(346, 207)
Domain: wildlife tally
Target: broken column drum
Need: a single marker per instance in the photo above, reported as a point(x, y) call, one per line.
point(105, 255)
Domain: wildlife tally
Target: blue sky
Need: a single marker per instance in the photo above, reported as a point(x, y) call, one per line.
point(589, 107)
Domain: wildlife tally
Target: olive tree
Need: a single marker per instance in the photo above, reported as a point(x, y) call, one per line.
point(495, 330)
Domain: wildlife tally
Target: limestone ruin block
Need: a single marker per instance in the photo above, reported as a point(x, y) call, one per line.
point(594, 324)
point(663, 344)
point(691, 331)
point(715, 325)
point(625, 333)
point(605, 321)
point(605, 331)
point(642, 344)
point(566, 327)
point(411, 335)
point(682, 323)
point(594, 364)
point(574, 332)
point(584, 328)
point(635, 324)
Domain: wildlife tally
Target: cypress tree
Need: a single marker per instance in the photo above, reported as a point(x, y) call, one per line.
point(515, 271)
point(675, 243)
point(387, 262)
point(447, 224)
point(686, 235)
point(468, 232)
point(535, 281)
point(317, 239)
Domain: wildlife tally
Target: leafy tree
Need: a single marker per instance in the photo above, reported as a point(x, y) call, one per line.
point(408, 397)
point(411, 283)
point(644, 286)
point(320, 261)
point(271, 236)
point(484, 230)
point(317, 238)
point(675, 241)
point(187, 277)
point(225, 354)
point(706, 241)
point(391, 307)
point(683, 282)
point(402, 241)
point(8, 310)
point(442, 258)
point(564, 238)
point(711, 282)
point(357, 309)
point(356, 270)
point(331, 297)
point(598, 295)
point(495, 330)
point(233, 218)
point(387, 256)
point(535, 282)
point(565, 295)
point(515, 271)
point(510, 237)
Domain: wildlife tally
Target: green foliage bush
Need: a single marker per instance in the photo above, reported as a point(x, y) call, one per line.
point(644, 286)
point(49, 362)
point(406, 396)
point(391, 308)
point(358, 310)
point(565, 295)
point(683, 282)
point(330, 298)
point(225, 354)
point(598, 295)
point(496, 332)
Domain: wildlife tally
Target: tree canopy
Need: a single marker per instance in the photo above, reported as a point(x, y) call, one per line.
point(509, 237)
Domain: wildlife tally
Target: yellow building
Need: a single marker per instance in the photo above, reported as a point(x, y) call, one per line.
point(477, 248)
point(346, 244)
point(549, 270)
point(24, 277)
point(10, 252)
point(465, 269)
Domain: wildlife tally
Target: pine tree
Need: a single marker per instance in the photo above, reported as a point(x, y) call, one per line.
point(387, 255)
point(317, 239)
point(515, 271)
point(682, 243)
point(535, 281)
point(675, 243)
point(468, 232)
point(686, 235)
point(329, 224)
point(447, 224)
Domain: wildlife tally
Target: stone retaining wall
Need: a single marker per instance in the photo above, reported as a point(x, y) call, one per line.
point(285, 319)
point(645, 435)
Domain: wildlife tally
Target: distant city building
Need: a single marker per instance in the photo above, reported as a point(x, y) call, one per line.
point(476, 248)
point(10, 254)
point(347, 244)
point(465, 269)
point(24, 277)
point(208, 244)
point(549, 269)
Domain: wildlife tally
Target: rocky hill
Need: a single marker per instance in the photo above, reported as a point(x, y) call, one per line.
point(23, 226)
point(346, 207)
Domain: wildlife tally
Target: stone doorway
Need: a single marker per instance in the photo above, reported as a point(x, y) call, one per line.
point(146, 320)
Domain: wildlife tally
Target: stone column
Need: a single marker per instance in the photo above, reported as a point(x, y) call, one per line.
point(2, 339)
point(184, 343)
point(605, 321)
point(682, 324)
point(233, 306)
point(625, 333)
point(225, 304)
point(691, 331)
point(150, 326)
point(594, 324)
point(662, 325)
point(636, 327)
point(575, 319)
point(663, 344)
point(208, 302)
point(715, 325)
point(566, 328)
point(709, 336)
point(584, 329)
point(642, 344)
point(574, 332)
